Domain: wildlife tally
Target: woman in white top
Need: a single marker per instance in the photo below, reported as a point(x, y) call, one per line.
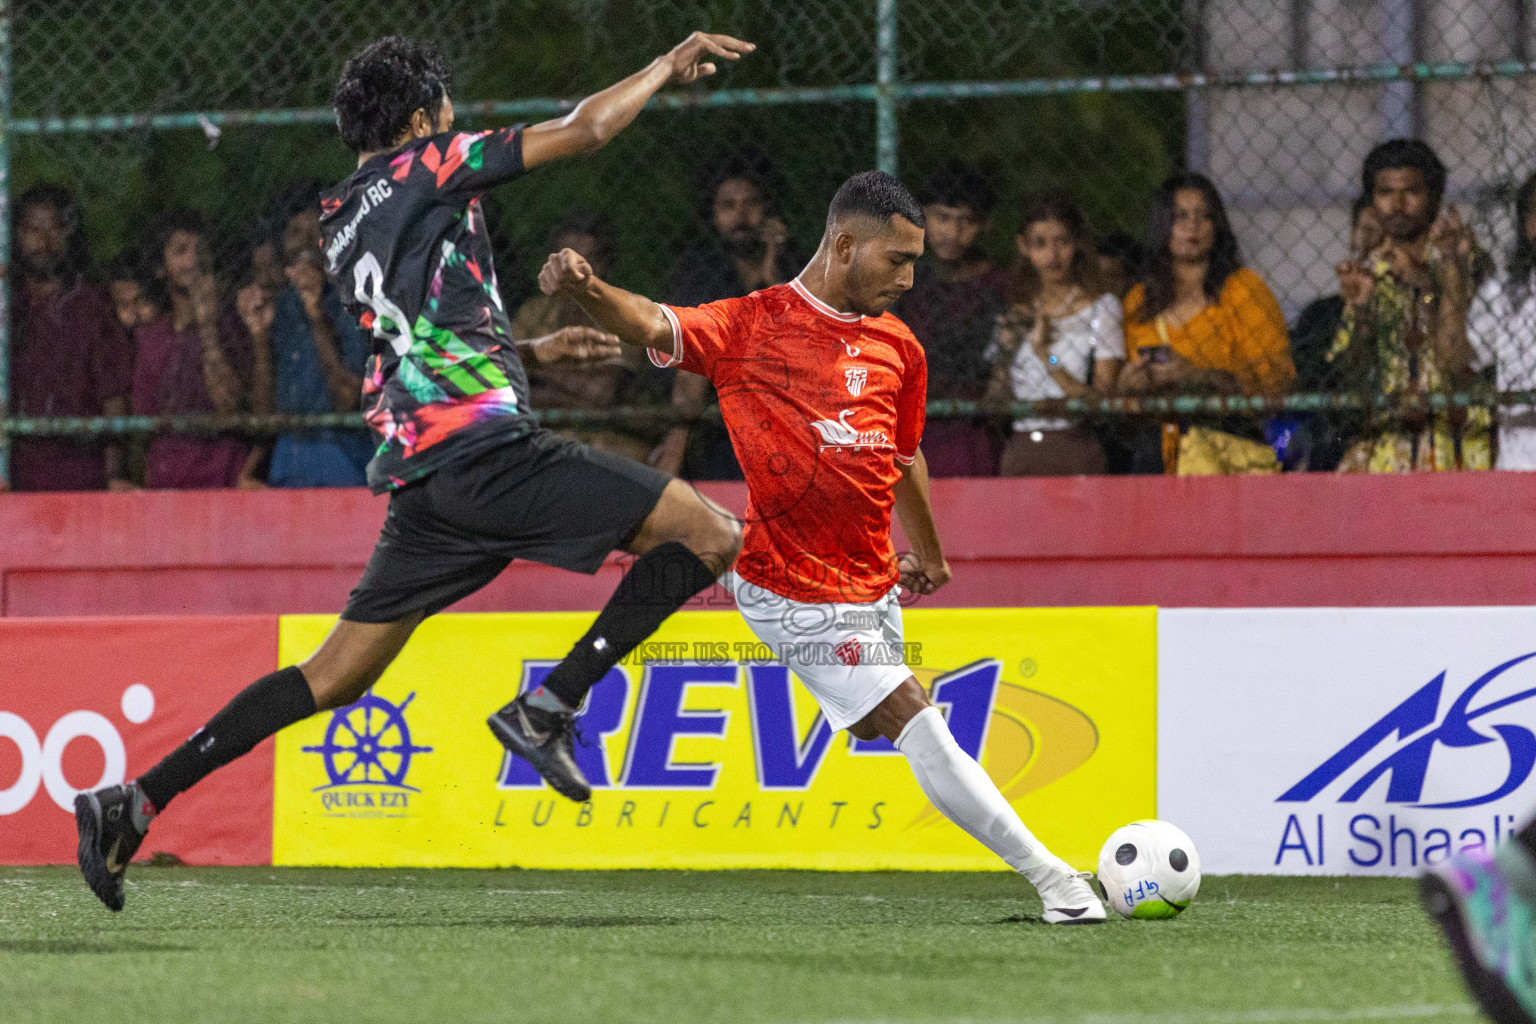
point(1060, 338)
point(1502, 329)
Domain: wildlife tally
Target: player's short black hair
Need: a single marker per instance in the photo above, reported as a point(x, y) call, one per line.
point(381, 86)
point(878, 195)
point(66, 206)
point(960, 184)
point(1400, 154)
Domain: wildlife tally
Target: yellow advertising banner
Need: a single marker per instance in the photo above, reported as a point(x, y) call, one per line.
point(705, 753)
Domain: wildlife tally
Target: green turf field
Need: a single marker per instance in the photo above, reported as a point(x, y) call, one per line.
point(441, 947)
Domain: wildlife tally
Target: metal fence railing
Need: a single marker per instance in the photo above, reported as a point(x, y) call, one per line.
point(144, 105)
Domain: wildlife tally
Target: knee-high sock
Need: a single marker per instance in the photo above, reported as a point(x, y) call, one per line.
point(659, 583)
point(967, 796)
point(268, 705)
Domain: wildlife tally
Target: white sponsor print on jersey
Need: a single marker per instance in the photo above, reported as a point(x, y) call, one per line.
point(838, 434)
point(857, 377)
point(853, 353)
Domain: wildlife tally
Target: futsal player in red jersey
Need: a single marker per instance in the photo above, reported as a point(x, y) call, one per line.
point(823, 393)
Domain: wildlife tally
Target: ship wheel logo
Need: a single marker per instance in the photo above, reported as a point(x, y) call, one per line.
point(368, 744)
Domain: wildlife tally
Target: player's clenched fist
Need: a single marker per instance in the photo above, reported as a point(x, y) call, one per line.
point(565, 273)
point(923, 578)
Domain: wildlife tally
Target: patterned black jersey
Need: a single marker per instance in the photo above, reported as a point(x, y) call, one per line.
point(405, 242)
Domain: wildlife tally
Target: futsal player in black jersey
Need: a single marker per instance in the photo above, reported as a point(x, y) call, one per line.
point(473, 481)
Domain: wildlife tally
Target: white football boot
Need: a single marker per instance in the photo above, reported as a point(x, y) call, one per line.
point(1071, 900)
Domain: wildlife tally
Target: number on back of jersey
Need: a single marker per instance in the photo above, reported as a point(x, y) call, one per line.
point(388, 319)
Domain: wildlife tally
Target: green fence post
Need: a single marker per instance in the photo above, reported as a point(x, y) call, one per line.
point(6, 11)
point(886, 142)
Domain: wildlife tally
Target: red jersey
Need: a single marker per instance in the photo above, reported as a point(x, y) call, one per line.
point(820, 406)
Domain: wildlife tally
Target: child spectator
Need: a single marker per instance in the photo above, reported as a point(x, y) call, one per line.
point(1319, 435)
point(1317, 326)
point(138, 299)
point(1121, 258)
point(138, 296)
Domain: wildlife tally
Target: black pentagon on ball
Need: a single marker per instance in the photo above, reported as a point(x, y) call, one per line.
point(1126, 854)
point(1178, 860)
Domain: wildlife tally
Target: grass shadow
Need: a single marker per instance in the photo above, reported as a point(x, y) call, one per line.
point(390, 921)
point(87, 946)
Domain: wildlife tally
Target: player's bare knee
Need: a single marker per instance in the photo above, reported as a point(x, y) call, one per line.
point(340, 676)
point(717, 542)
point(900, 706)
point(704, 528)
point(711, 532)
point(334, 690)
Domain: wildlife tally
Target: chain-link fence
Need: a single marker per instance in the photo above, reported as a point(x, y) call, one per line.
point(141, 106)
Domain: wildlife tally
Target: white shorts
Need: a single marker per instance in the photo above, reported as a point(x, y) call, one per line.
point(850, 656)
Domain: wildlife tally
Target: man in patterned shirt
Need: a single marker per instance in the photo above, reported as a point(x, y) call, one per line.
point(473, 480)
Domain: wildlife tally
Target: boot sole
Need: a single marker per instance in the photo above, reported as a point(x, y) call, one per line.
point(1073, 921)
point(515, 745)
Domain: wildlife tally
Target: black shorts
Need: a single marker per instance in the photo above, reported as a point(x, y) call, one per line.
point(540, 498)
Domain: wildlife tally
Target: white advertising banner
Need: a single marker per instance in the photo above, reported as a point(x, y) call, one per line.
point(1345, 741)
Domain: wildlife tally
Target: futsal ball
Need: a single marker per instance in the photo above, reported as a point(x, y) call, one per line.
point(1149, 869)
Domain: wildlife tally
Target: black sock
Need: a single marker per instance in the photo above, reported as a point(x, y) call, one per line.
point(659, 583)
point(269, 704)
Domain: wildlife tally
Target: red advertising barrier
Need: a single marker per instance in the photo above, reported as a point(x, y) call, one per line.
point(1294, 540)
point(92, 702)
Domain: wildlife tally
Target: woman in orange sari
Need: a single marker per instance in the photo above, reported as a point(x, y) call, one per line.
point(1200, 322)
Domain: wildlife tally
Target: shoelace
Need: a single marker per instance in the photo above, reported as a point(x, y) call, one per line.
point(570, 724)
point(1064, 884)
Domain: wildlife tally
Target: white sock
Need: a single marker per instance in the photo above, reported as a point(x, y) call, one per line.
point(967, 796)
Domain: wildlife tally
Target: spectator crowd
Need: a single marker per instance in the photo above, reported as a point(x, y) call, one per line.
point(1421, 308)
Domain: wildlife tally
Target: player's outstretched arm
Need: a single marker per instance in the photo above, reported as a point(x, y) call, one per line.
point(633, 319)
point(601, 116)
point(924, 570)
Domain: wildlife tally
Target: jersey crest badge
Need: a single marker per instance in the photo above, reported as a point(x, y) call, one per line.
point(856, 377)
point(850, 652)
